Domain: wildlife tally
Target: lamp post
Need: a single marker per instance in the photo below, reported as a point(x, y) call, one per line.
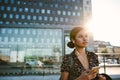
point(104, 63)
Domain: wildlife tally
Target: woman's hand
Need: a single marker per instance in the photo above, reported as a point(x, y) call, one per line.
point(92, 74)
point(87, 75)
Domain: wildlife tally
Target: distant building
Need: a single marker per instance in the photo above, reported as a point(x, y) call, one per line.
point(111, 53)
point(99, 46)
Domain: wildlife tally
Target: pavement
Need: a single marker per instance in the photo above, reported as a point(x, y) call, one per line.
point(46, 77)
point(114, 72)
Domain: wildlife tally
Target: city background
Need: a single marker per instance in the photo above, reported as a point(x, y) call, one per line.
point(34, 34)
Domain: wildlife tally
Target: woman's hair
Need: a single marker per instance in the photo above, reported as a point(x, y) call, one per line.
point(73, 34)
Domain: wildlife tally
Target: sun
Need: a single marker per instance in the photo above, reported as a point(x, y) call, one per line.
point(91, 26)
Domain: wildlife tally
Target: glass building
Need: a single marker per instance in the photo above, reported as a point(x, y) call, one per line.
point(38, 30)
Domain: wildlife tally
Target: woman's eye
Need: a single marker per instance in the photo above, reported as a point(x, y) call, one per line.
point(86, 35)
point(80, 36)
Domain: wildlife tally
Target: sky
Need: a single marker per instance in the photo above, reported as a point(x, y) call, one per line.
point(105, 23)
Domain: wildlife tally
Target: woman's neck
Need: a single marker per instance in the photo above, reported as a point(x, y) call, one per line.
point(81, 50)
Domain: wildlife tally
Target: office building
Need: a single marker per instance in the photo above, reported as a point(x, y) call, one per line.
point(39, 29)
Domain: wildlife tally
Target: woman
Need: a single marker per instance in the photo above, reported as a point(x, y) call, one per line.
point(82, 61)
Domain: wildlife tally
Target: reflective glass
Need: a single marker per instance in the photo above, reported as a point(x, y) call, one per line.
point(4, 15)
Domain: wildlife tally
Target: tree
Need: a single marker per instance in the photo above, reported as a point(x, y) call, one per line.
point(104, 50)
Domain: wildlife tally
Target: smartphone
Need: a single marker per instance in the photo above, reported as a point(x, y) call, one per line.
point(95, 69)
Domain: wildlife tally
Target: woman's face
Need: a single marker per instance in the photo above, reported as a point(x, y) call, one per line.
point(81, 39)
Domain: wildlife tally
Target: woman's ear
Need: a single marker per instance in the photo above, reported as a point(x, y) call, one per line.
point(73, 41)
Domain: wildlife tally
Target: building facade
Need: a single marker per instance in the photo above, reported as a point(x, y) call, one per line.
point(39, 29)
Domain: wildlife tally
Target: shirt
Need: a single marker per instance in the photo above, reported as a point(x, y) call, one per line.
point(77, 67)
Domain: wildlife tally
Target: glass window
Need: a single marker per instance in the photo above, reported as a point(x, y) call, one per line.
point(46, 5)
point(19, 23)
point(48, 11)
point(33, 32)
point(40, 18)
point(39, 32)
point(64, 13)
point(25, 23)
point(21, 31)
point(17, 16)
point(53, 40)
point(36, 40)
point(48, 40)
point(18, 2)
point(56, 18)
point(28, 32)
point(56, 5)
point(34, 17)
point(76, 7)
point(14, 9)
point(45, 18)
point(0, 0)
point(22, 16)
point(51, 18)
point(51, 5)
point(12, 1)
point(4, 15)
point(24, 39)
point(18, 39)
point(0, 39)
point(58, 12)
point(87, 2)
point(37, 10)
point(78, 1)
point(9, 31)
point(61, 6)
point(20, 9)
point(8, 8)
point(53, 12)
point(12, 39)
point(42, 40)
point(11, 16)
point(78, 14)
point(26, 9)
point(43, 11)
point(45, 33)
point(2, 8)
point(24, 3)
point(50, 32)
point(16, 31)
point(30, 39)
point(6, 1)
point(69, 13)
point(29, 3)
point(73, 0)
point(8, 22)
point(66, 19)
point(1, 22)
point(80, 8)
point(31, 10)
point(28, 17)
point(61, 19)
point(66, 6)
point(35, 4)
point(3, 30)
point(71, 20)
point(74, 14)
point(6, 39)
point(40, 4)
